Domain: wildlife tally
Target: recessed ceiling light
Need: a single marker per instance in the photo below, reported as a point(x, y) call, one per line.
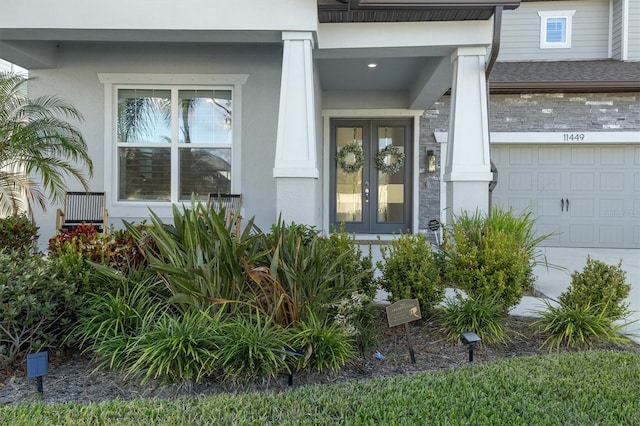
point(372, 65)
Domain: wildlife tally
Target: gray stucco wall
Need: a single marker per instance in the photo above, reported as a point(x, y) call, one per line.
point(549, 112)
point(76, 80)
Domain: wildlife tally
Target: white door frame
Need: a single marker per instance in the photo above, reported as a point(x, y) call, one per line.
point(328, 114)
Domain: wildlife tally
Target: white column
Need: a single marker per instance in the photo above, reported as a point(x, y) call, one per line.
point(295, 168)
point(468, 168)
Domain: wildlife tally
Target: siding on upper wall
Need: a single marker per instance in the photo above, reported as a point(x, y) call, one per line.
point(589, 40)
point(634, 30)
point(616, 39)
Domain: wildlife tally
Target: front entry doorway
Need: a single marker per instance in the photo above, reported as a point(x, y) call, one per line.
point(370, 175)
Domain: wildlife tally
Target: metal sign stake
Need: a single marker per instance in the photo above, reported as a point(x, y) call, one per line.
point(411, 353)
point(403, 312)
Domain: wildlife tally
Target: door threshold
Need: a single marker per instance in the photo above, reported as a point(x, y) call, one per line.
point(373, 238)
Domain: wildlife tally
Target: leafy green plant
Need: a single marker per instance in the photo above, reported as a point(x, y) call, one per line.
point(123, 252)
point(410, 269)
point(325, 345)
point(35, 139)
point(577, 326)
point(110, 323)
point(484, 316)
point(253, 346)
point(355, 315)
point(493, 256)
point(18, 232)
point(298, 275)
point(71, 250)
point(36, 309)
point(179, 348)
point(354, 265)
point(106, 315)
point(599, 283)
point(201, 260)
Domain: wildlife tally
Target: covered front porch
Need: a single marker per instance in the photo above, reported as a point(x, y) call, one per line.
point(350, 73)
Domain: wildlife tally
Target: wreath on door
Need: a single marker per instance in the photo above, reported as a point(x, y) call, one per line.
point(396, 160)
point(350, 157)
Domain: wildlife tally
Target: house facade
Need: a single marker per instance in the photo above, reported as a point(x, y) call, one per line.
point(368, 112)
point(564, 121)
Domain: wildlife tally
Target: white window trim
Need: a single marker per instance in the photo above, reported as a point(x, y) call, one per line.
point(113, 81)
point(544, 16)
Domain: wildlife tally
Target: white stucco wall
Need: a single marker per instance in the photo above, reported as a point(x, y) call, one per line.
point(76, 80)
point(160, 14)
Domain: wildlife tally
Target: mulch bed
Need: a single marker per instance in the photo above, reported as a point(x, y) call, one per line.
point(72, 377)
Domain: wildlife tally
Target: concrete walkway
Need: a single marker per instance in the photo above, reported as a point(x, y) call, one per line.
point(551, 281)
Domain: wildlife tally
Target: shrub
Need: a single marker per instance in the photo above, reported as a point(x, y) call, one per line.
point(577, 326)
point(253, 346)
point(354, 265)
point(18, 232)
point(483, 316)
point(323, 345)
point(118, 315)
point(301, 273)
point(36, 309)
point(410, 269)
point(83, 239)
point(122, 251)
point(179, 348)
point(202, 262)
point(599, 283)
point(117, 248)
point(492, 256)
point(355, 316)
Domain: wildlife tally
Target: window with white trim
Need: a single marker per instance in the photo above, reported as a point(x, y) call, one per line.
point(555, 28)
point(169, 135)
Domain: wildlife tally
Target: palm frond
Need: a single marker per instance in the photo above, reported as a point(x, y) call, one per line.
point(39, 149)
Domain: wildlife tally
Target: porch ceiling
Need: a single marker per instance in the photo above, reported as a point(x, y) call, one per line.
point(354, 74)
point(422, 75)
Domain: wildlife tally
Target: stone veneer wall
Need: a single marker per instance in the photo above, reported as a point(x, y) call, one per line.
point(541, 112)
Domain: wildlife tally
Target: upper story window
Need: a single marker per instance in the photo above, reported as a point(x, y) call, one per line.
point(555, 28)
point(168, 140)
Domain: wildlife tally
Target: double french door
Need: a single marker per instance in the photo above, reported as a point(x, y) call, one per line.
point(370, 175)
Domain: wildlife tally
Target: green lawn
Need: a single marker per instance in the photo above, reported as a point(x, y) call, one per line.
point(582, 388)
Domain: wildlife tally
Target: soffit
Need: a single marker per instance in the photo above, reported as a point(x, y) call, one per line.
point(336, 11)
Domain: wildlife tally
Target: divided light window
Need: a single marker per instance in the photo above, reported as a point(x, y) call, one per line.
point(555, 28)
point(173, 142)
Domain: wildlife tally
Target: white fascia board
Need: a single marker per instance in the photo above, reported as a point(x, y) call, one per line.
point(557, 138)
point(167, 15)
point(404, 34)
point(370, 113)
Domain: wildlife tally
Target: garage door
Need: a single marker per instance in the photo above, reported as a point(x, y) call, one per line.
point(587, 196)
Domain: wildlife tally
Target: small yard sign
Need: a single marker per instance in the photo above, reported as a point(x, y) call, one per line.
point(403, 312)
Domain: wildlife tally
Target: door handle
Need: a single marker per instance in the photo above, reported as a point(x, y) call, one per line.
point(561, 204)
point(366, 192)
point(567, 204)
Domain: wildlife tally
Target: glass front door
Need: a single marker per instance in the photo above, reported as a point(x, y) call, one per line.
point(370, 175)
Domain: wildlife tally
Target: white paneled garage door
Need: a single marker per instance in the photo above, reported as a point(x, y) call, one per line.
point(587, 196)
